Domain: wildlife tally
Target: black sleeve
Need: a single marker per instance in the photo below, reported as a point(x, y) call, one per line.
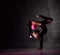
point(46, 18)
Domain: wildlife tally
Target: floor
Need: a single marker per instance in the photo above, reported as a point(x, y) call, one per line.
point(30, 52)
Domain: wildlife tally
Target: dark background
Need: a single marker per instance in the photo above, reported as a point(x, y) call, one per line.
point(14, 23)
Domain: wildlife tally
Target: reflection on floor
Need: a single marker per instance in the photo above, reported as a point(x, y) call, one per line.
point(30, 52)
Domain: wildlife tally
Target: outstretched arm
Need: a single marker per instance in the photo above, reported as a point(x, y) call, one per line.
point(47, 19)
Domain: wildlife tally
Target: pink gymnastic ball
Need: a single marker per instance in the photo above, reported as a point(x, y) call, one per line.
point(33, 27)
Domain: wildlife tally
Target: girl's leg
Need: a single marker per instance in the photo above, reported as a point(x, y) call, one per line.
point(41, 43)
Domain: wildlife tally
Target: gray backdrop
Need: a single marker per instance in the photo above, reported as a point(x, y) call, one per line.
point(14, 23)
